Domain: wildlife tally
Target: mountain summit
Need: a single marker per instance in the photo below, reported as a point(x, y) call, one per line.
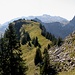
point(49, 19)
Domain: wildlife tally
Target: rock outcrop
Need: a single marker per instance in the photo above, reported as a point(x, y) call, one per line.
point(65, 54)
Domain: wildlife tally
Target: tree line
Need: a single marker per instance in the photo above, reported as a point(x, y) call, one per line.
point(55, 41)
point(46, 68)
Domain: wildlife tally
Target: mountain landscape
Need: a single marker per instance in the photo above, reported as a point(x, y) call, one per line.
point(51, 36)
point(31, 27)
point(49, 19)
point(58, 26)
point(59, 29)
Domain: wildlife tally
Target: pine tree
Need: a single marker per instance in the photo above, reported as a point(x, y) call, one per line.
point(25, 38)
point(46, 68)
point(59, 41)
point(14, 61)
point(38, 56)
point(48, 46)
point(4, 63)
point(35, 42)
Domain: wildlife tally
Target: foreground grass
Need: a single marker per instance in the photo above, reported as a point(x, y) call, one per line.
point(29, 52)
point(67, 73)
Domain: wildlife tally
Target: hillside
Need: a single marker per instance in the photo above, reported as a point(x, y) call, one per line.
point(59, 29)
point(64, 56)
point(29, 52)
point(61, 57)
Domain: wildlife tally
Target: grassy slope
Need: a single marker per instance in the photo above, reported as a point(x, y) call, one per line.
point(67, 73)
point(29, 52)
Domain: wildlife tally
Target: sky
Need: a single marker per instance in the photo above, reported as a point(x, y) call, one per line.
point(10, 9)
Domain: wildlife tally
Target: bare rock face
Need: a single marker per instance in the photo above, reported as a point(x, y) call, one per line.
point(65, 54)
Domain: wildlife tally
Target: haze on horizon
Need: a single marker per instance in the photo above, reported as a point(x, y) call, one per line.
point(10, 9)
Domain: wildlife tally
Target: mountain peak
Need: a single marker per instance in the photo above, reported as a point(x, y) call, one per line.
point(74, 17)
point(46, 15)
point(73, 20)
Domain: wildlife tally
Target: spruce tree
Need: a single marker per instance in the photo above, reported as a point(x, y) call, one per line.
point(38, 57)
point(46, 68)
point(35, 42)
point(59, 41)
point(25, 38)
point(48, 46)
point(14, 61)
point(4, 70)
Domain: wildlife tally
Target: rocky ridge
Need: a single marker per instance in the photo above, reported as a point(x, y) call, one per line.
point(64, 56)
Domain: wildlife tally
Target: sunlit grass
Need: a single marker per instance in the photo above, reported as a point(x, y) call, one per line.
point(67, 73)
point(29, 52)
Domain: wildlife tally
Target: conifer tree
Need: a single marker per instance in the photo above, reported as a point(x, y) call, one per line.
point(59, 41)
point(38, 56)
point(35, 42)
point(25, 38)
point(4, 69)
point(46, 68)
point(16, 61)
point(48, 46)
point(14, 64)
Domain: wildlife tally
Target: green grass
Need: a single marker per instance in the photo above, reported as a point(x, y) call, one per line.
point(29, 52)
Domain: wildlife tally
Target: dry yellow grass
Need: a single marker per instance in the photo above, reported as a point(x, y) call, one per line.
point(67, 73)
point(29, 52)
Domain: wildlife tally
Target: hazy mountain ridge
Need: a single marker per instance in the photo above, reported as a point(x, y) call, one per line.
point(49, 19)
point(44, 18)
point(59, 29)
point(56, 28)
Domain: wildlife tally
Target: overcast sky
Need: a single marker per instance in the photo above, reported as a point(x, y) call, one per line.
point(10, 9)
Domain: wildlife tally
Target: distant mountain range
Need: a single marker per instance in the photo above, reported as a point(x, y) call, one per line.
point(53, 24)
point(59, 29)
point(49, 19)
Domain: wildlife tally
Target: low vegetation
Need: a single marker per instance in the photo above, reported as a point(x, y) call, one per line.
point(35, 51)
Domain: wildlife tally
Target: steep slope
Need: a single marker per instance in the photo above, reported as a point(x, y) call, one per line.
point(64, 56)
point(55, 28)
point(29, 52)
point(60, 29)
